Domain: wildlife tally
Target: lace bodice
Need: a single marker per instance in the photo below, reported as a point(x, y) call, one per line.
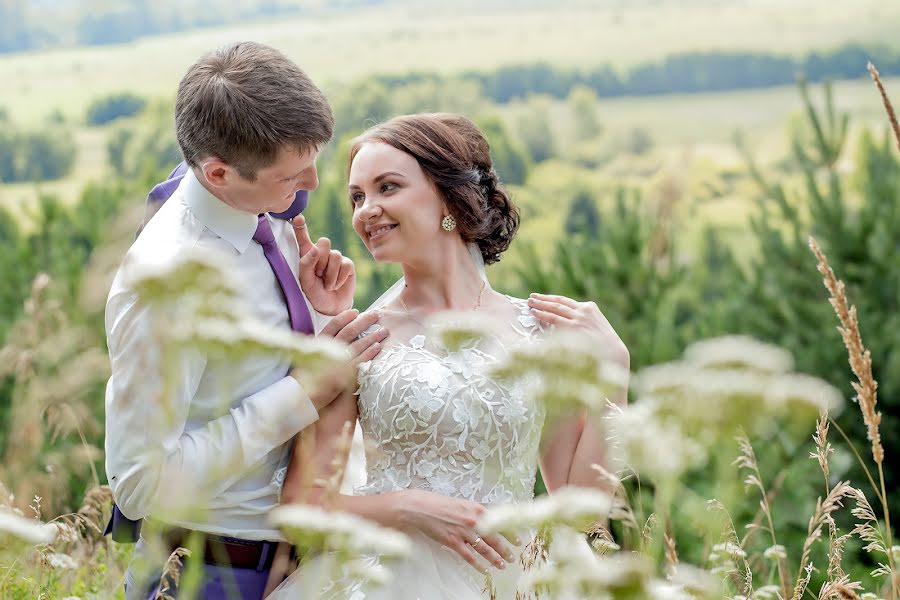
point(437, 420)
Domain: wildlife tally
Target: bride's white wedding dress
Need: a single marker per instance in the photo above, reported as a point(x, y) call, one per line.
point(437, 420)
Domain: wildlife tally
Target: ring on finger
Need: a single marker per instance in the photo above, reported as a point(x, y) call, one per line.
point(476, 542)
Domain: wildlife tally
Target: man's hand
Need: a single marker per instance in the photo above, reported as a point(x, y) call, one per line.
point(327, 278)
point(346, 327)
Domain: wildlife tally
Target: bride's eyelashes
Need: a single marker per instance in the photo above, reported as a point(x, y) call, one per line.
point(384, 189)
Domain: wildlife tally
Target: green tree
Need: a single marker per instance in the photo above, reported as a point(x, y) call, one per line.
point(583, 217)
point(8, 170)
point(628, 269)
point(583, 102)
point(116, 148)
point(856, 221)
point(109, 108)
point(510, 159)
point(535, 131)
point(45, 155)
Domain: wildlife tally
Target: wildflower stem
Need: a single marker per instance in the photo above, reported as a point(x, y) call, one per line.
point(887, 527)
point(859, 459)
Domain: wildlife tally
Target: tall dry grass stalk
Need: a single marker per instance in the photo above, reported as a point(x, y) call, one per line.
point(821, 517)
point(861, 363)
point(171, 575)
point(892, 117)
point(747, 460)
point(860, 358)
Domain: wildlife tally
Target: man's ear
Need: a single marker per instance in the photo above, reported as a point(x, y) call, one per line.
point(216, 172)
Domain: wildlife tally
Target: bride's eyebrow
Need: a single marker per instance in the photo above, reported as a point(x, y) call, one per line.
point(385, 175)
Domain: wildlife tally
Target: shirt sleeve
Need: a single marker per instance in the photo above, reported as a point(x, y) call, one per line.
point(151, 461)
point(319, 320)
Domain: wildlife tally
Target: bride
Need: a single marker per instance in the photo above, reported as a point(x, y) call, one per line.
point(444, 439)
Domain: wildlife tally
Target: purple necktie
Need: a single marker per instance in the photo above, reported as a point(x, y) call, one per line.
point(301, 320)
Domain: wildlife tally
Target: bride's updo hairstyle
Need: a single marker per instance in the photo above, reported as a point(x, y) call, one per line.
point(456, 158)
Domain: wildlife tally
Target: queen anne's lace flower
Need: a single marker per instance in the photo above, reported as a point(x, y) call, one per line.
point(28, 530)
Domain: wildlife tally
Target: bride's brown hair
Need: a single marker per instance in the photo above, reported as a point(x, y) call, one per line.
point(456, 158)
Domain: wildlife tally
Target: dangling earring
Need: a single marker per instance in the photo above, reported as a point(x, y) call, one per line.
point(449, 223)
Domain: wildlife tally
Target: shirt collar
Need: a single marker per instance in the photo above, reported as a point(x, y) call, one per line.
point(232, 225)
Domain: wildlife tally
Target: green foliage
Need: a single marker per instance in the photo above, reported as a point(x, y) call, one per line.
point(510, 160)
point(856, 221)
point(109, 108)
point(583, 217)
point(116, 147)
point(658, 304)
point(8, 170)
point(36, 155)
point(685, 72)
point(45, 155)
point(535, 131)
point(583, 101)
point(627, 266)
point(143, 153)
point(638, 141)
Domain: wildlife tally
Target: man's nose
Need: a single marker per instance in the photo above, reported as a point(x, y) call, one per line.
point(309, 181)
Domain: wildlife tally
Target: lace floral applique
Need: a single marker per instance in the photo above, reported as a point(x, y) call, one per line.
point(440, 421)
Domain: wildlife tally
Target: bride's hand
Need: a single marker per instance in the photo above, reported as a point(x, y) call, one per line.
point(561, 311)
point(451, 522)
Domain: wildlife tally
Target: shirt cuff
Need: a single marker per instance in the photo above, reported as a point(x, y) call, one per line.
point(305, 413)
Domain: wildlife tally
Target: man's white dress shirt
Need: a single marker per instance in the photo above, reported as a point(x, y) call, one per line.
point(224, 444)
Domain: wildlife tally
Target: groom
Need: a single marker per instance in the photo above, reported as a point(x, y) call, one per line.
point(250, 124)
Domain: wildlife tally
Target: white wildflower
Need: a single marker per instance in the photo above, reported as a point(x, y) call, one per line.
point(61, 561)
point(28, 530)
point(775, 553)
point(739, 352)
point(313, 527)
point(791, 391)
point(653, 447)
point(575, 571)
point(196, 271)
point(767, 592)
point(571, 372)
point(723, 556)
point(457, 330)
point(571, 506)
point(727, 550)
point(221, 337)
point(695, 581)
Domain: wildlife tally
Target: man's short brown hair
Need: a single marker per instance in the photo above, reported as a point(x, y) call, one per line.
point(243, 103)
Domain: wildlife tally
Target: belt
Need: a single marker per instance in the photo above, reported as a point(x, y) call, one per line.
point(227, 551)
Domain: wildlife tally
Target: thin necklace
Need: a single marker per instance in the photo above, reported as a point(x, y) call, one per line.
point(409, 312)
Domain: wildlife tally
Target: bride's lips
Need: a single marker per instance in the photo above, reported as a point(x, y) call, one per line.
point(377, 233)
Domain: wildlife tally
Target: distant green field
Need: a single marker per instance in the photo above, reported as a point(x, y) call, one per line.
point(355, 44)
point(692, 136)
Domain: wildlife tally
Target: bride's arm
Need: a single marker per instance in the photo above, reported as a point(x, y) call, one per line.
point(573, 445)
point(319, 451)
